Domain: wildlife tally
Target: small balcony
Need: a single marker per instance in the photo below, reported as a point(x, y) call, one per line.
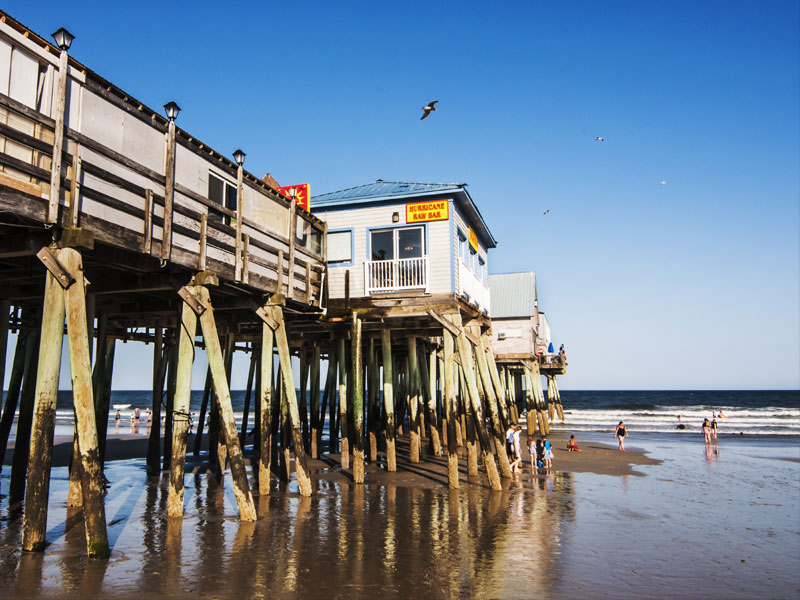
point(398, 275)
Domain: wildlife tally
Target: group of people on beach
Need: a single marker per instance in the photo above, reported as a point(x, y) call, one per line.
point(136, 417)
point(540, 449)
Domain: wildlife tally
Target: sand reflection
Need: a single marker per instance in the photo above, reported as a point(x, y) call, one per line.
point(346, 540)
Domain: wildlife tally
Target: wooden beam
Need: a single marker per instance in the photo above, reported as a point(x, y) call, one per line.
point(301, 468)
point(358, 402)
point(169, 192)
point(91, 469)
point(265, 404)
point(147, 241)
point(34, 524)
point(344, 439)
point(388, 400)
point(58, 138)
point(180, 422)
point(449, 408)
point(292, 237)
point(241, 488)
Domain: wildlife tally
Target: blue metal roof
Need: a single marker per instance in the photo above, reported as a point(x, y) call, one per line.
point(383, 191)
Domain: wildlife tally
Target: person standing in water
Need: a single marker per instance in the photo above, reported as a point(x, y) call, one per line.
point(620, 434)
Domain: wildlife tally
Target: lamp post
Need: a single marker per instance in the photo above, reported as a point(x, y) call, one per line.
point(238, 156)
point(171, 109)
point(63, 39)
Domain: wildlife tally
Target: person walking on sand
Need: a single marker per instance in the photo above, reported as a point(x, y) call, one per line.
point(516, 450)
point(117, 419)
point(714, 428)
point(620, 433)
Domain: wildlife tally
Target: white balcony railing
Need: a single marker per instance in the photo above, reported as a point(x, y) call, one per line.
point(401, 274)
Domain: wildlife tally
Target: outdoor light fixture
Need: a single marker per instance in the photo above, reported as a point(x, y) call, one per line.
point(293, 193)
point(238, 156)
point(63, 38)
point(172, 110)
point(395, 217)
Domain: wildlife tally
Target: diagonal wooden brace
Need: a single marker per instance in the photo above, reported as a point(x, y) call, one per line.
point(59, 271)
point(187, 296)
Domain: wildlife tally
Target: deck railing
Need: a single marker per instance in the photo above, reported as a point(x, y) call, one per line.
point(398, 275)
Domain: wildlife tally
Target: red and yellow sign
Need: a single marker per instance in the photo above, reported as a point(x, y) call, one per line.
point(473, 239)
point(435, 210)
point(302, 196)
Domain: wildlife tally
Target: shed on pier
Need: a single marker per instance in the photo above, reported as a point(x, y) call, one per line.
point(392, 239)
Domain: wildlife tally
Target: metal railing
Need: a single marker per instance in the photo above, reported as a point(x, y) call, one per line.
point(396, 275)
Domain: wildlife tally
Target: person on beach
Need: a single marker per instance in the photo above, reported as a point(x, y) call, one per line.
point(149, 416)
point(548, 453)
point(540, 453)
point(137, 412)
point(714, 428)
point(620, 434)
point(516, 450)
point(510, 439)
point(117, 419)
point(572, 445)
point(191, 422)
point(706, 431)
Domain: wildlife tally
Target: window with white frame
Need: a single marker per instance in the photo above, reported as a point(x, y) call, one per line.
point(463, 248)
point(481, 273)
point(340, 246)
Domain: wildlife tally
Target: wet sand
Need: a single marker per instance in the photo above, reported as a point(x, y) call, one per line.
point(677, 522)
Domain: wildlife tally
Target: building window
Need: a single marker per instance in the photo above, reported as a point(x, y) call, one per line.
point(340, 247)
point(403, 242)
point(464, 249)
point(481, 272)
point(223, 193)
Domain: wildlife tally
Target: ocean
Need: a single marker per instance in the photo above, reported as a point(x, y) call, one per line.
point(749, 413)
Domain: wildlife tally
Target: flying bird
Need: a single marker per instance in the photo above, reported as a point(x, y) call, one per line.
point(599, 139)
point(545, 212)
point(428, 108)
point(662, 182)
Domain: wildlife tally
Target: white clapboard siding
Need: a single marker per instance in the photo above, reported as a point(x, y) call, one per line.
point(375, 217)
point(513, 336)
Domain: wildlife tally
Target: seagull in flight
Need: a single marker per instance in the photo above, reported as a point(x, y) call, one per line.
point(545, 212)
point(599, 139)
point(428, 108)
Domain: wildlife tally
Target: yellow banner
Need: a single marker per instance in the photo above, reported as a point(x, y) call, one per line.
point(419, 212)
point(473, 239)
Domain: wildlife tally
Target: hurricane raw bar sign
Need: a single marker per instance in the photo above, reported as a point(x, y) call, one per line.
point(435, 210)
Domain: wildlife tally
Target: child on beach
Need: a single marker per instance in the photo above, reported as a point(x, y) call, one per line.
point(539, 453)
point(548, 453)
point(620, 434)
point(714, 428)
point(572, 445)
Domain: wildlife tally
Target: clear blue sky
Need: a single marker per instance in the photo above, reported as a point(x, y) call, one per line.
point(691, 284)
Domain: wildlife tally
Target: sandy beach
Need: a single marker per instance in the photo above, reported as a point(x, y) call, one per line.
point(665, 519)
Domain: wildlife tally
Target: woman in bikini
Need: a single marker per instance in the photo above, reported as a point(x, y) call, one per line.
point(620, 434)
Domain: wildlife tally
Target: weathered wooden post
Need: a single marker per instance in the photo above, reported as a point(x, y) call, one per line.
point(13, 392)
point(469, 429)
point(468, 370)
point(559, 406)
point(388, 400)
point(183, 391)
point(541, 411)
point(315, 422)
point(282, 342)
point(169, 185)
point(248, 391)
point(22, 439)
point(241, 488)
point(530, 399)
point(303, 403)
point(449, 408)
point(201, 420)
point(159, 367)
point(343, 383)
point(496, 381)
point(358, 401)
point(265, 402)
point(374, 413)
point(333, 433)
point(60, 102)
point(427, 365)
point(5, 305)
point(172, 382)
point(412, 387)
point(94, 513)
point(491, 401)
point(34, 523)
